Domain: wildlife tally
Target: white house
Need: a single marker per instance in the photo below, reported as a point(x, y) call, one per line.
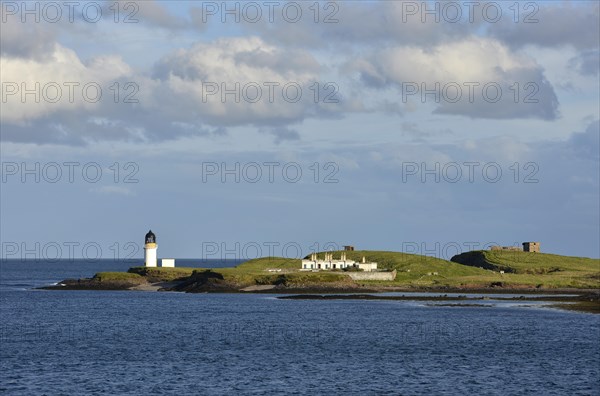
point(328, 264)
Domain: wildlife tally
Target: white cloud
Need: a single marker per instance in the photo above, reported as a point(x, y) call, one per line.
point(61, 82)
point(267, 80)
point(466, 75)
point(552, 24)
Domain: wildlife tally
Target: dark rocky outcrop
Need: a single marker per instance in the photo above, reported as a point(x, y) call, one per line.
point(478, 259)
point(203, 282)
point(92, 284)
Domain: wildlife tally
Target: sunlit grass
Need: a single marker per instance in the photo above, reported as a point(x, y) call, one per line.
point(522, 269)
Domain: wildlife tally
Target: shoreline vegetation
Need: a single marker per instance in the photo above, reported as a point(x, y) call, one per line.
point(483, 272)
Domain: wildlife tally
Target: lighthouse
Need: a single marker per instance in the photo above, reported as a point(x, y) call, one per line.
point(150, 247)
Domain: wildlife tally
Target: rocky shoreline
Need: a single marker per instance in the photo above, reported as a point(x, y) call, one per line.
point(211, 282)
point(585, 300)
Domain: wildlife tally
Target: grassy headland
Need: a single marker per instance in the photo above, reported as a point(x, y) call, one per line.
point(478, 271)
point(468, 271)
point(536, 269)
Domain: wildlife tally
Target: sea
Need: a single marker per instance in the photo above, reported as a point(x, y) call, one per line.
point(63, 342)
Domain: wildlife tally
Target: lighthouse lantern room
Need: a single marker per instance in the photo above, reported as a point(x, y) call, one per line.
point(150, 247)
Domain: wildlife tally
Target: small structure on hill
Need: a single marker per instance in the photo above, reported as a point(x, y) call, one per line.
point(316, 264)
point(167, 263)
point(527, 247)
point(348, 248)
point(531, 247)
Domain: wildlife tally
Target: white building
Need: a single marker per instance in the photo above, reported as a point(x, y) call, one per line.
point(150, 248)
point(315, 264)
point(170, 263)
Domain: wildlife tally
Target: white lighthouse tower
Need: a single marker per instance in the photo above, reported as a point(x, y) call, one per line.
point(150, 249)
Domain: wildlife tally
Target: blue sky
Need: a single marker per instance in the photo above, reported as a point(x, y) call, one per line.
point(383, 164)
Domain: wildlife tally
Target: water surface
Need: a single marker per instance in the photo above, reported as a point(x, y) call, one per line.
point(148, 343)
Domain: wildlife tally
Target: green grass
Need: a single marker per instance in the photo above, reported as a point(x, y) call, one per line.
point(537, 269)
point(540, 263)
point(413, 271)
point(159, 274)
point(264, 263)
point(309, 278)
point(119, 276)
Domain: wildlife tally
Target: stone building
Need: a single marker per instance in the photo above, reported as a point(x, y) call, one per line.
point(531, 247)
point(527, 247)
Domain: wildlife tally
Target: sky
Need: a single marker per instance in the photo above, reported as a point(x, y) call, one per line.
point(249, 129)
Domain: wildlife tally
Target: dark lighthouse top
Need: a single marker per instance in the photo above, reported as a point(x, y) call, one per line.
point(150, 237)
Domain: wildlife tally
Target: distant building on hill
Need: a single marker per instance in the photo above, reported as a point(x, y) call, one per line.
point(527, 247)
point(349, 248)
point(316, 264)
point(531, 247)
point(165, 263)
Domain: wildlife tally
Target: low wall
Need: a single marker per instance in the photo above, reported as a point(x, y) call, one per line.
point(373, 275)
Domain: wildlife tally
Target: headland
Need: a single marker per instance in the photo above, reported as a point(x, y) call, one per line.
point(486, 271)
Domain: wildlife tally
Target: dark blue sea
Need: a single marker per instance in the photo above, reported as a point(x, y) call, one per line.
point(154, 343)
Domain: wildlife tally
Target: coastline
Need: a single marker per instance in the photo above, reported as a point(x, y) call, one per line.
point(563, 280)
point(324, 288)
point(580, 300)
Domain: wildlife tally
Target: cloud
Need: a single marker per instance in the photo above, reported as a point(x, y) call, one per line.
point(77, 102)
point(586, 144)
point(359, 23)
point(374, 41)
point(113, 190)
point(475, 77)
point(243, 81)
point(60, 83)
point(587, 62)
point(552, 25)
point(415, 133)
point(282, 134)
point(273, 88)
point(31, 40)
point(150, 12)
